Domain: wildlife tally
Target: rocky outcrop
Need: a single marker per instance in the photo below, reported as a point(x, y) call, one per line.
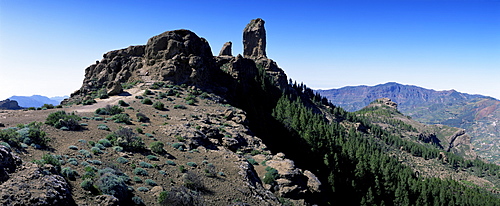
point(9, 104)
point(30, 184)
point(226, 49)
point(8, 163)
point(254, 39)
point(293, 182)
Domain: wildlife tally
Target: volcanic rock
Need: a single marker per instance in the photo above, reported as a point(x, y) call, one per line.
point(9, 104)
point(226, 49)
point(254, 39)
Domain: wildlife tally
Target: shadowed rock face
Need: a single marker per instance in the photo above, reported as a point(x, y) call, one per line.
point(9, 104)
point(254, 39)
point(226, 49)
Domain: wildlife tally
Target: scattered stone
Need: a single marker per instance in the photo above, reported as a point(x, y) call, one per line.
point(114, 88)
point(107, 200)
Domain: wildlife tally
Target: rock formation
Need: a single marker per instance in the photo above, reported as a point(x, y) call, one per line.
point(254, 39)
point(30, 184)
point(9, 104)
point(226, 49)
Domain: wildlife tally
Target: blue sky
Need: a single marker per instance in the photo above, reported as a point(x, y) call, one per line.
point(45, 46)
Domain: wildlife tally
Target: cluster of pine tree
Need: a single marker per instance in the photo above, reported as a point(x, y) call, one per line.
point(360, 170)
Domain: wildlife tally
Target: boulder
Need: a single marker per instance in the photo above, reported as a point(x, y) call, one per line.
point(107, 200)
point(226, 49)
point(254, 39)
point(8, 163)
point(114, 88)
point(32, 185)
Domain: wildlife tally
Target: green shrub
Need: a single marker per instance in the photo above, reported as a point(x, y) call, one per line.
point(105, 142)
point(142, 117)
point(193, 181)
point(118, 148)
point(73, 161)
point(85, 153)
point(182, 168)
point(145, 165)
point(180, 107)
point(139, 130)
point(159, 106)
point(137, 200)
point(152, 157)
point(89, 102)
point(179, 146)
point(99, 145)
point(157, 147)
point(61, 119)
point(69, 173)
point(143, 189)
point(252, 161)
point(270, 176)
point(147, 101)
point(103, 127)
point(122, 160)
point(140, 171)
point(96, 150)
point(150, 182)
point(123, 103)
point(149, 135)
point(192, 164)
point(121, 118)
point(128, 140)
point(137, 179)
point(111, 184)
point(87, 184)
point(170, 162)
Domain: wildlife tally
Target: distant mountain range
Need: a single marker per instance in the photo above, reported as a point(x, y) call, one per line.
point(37, 100)
point(478, 114)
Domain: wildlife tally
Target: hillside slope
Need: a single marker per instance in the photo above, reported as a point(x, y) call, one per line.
point(478, 115)
point(168, 123)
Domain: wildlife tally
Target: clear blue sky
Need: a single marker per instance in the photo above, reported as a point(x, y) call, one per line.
point(45, 46)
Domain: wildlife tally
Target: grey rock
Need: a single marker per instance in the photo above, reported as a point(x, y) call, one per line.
point(254, 39)
point(32, 185)
point(226, 49)
point(9, 104)
point(107, 200)
point(114, 88)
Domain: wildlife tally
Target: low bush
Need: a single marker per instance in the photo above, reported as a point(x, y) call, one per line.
point(145, 165)
point(103, 127)
point(193, 181)
point(137, 200)
point(270, 176)
point(85, 153)
point(147, 101)
point(109, 110)
point(152, 157)
point(142, 117)
point(140, 171)
point(67, 172)
point(157, 147)
point(121, 118)
point(142, 189)
point(150, 182)
point(87, 184)
point(111, 184)
point(159, 106)
point(122, 160)
point(105, 142)
point(61, 119)
point(192, 164)
point(123, 103)
point(180, 196)
point(137, 179)
point(96, 150)
point(179, 106)
point(170, 162)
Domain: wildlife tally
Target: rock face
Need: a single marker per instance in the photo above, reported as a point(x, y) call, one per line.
point(226, 49)
point(9, 104)
point(31, 185)
point(254, 39)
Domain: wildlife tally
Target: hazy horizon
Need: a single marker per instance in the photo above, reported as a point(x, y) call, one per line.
point(439, 45)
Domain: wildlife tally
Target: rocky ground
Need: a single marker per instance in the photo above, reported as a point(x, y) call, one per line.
point(217, 153)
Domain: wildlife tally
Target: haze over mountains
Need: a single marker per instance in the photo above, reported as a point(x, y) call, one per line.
point(478, 114)
point(37, 100)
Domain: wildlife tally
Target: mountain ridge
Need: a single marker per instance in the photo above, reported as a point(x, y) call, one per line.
point(478, 114)
point(37, 100)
